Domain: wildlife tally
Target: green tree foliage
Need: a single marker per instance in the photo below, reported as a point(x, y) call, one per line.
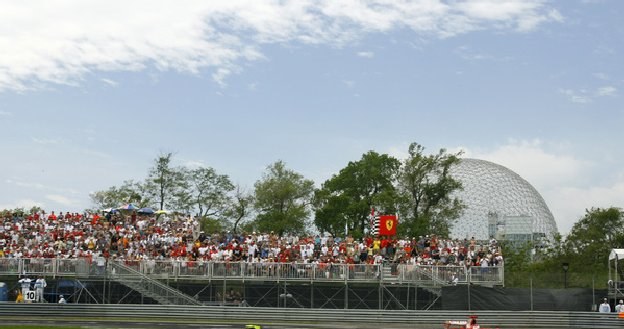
point(426, 188)
point(240, 207)
point(164, 182)
point(347, 198)
point(282, 200)
point(201, 191)
point(129, 192)
point(205, 191)
point(597, 233)
point(210, 225)
point(586, 251)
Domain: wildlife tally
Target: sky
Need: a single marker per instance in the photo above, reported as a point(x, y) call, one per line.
point(91, 92)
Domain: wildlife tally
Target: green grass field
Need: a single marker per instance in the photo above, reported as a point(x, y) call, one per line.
point(17, 326)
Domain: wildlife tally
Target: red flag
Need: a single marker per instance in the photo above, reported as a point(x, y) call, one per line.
point(388, 225)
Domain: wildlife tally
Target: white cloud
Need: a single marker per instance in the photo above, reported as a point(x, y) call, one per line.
point(533, 162)
point(366, 54)
point(576, 97)
point(110, 82)
point(194, 164)
point(349, 83)
point(568, 203)
point(44, 141)
point(23, 203)
point(60, 42)
point(606, 91)
point(601, 76)
point(39, 186)
point(584, 96)
point(60, 199)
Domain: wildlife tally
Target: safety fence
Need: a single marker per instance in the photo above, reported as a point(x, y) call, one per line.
point(68, 313)
point(263, 271)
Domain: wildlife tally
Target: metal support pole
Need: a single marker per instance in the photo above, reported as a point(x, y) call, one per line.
point(380, 296)
point(468, 296)
point(531, 291)
point(346, 298)
point(416, 298)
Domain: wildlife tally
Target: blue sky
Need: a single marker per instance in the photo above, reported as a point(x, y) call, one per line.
point(91, 92)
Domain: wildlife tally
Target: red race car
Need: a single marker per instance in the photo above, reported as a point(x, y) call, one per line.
point(463, 324)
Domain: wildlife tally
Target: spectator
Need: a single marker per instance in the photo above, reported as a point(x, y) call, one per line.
point(62, 300)
point(25, 284)
point(619, 308)
point(604, 307)
point(40, 284)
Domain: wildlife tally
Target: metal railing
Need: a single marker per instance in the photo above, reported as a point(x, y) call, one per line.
point(269, 271)
point(45, 266)
point(149, 287)
point(132, 314)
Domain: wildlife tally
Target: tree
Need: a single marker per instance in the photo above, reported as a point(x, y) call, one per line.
point(129, 192)
point(592, 237)
point(205, 191)
point(426, 187)
point(165, 181)
point(346, 199)
point(282, 200)
point(240, 206)
point(586, 250)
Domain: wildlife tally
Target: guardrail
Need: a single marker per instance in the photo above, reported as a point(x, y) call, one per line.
point(199, 270)
point(68, 313)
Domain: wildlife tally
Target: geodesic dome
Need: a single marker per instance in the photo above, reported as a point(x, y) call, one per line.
point(500, 203)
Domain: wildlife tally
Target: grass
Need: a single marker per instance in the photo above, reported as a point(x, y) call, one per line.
point(17, 326)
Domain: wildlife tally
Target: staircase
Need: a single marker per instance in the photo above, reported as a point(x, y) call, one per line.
point(148, 287)
point(387, 275)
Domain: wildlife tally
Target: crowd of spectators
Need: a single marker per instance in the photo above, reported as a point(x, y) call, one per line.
point(132, 236)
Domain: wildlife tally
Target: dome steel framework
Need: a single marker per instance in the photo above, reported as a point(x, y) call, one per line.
point(499, 203)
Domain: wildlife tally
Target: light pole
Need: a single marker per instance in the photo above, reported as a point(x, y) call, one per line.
point(565, 267)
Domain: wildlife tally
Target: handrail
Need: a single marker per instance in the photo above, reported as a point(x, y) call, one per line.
point(153, 288)
point(199, 270)
point(129, 314)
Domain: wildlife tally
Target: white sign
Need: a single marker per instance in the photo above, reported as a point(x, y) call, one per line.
point(30, 295)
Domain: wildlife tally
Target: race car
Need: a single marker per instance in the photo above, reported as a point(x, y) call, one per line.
point(471, 323)
point(253, 326)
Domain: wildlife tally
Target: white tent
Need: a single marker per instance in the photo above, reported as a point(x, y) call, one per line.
point(617, 254)
point(616, 273)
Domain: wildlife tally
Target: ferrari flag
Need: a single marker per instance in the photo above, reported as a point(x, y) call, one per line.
point(388, 224)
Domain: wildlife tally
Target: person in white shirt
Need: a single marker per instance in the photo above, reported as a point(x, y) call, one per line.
point(25, 284)
point(62, 300)
point(619, 308)
point(604, 307)
point(40, 284)
point(252, 250)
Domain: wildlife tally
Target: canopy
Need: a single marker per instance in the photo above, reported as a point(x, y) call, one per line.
point(147, 211)
point(616, 254)
point(128, 206)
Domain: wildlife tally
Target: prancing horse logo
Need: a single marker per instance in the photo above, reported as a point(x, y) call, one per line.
point(389, 224)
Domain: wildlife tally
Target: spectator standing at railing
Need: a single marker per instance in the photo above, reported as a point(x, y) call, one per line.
point(40, 285)
point(604, 307)
point(24, 283)
point(619, 308)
